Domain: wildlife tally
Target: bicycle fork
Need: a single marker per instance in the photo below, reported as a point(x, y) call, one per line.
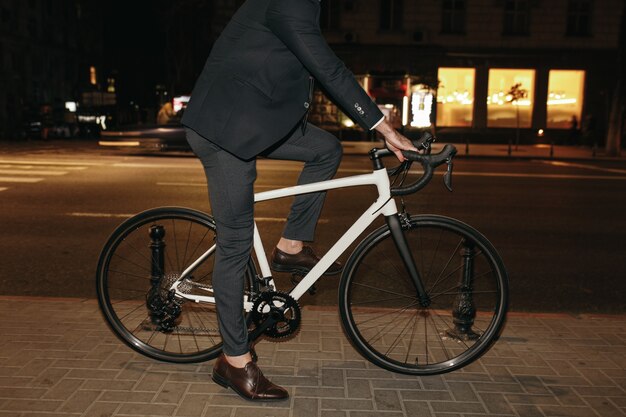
point(463, 309)
point(395, 226)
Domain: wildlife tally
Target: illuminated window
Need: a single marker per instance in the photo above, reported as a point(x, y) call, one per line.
point(110, 85)
point(92, 76)
point(455, 96)
point(510, 97)
point(421, 105)
point(565, 98)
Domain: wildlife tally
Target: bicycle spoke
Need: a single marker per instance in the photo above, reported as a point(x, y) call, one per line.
point(177, 330)
point(187, 244)
point(443, 345)
point(384, 315)
point(397, 339)
point(138, 252)
point(454, 252)
point(132, 311)
point(391, 322)
point(438, 336)
point(133, 263)
point(385, 291)
point(377, 300)
point(413, 331)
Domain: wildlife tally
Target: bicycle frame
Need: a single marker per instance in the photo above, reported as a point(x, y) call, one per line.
point(384, 205)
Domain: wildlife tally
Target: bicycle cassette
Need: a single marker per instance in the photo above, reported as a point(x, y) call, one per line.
point(282, 308)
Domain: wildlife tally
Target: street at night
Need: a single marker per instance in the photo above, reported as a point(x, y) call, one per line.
point(502, 297)
point(557, 224)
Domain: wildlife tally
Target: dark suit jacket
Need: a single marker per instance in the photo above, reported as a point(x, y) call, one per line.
point(254, 87)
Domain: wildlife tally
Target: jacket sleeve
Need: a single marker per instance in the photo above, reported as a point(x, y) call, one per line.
point(294, 22)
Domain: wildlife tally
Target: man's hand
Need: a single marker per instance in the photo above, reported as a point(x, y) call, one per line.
point(394, 140)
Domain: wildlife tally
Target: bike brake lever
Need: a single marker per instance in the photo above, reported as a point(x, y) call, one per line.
point(447, 177)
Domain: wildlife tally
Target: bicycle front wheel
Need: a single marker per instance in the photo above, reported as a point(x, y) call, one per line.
point(139, 263)
point(467, 290)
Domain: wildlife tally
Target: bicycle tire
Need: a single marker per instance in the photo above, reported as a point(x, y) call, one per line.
point(379, 314)
point(137, 309)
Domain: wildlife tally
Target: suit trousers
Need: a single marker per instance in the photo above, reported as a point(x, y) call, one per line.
point(230, 181)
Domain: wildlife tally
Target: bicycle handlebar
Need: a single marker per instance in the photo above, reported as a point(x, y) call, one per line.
point(428, 161)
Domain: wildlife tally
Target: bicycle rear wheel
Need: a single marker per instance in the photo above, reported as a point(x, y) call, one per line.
point(466, 283)
point(138, 265)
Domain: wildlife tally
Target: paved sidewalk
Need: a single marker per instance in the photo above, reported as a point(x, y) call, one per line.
point(59, 359)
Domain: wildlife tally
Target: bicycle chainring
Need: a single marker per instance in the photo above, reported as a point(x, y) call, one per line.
point(283, 307)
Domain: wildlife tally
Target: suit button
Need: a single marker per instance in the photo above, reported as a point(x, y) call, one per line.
point(306, 105)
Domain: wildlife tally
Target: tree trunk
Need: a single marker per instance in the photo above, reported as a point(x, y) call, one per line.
point(616, 115)
point(614, 134)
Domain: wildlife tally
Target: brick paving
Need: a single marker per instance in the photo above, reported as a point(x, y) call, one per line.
point(59, 359)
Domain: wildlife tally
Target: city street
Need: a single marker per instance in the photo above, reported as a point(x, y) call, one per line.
point(558, 224)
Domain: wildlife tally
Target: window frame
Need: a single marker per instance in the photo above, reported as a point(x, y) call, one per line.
point(520, 11)
point(394, 21)
point(574, 13)
point(330, 15)
point(453, 17)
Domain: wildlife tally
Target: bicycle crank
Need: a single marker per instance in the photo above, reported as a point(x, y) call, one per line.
point(276, 314)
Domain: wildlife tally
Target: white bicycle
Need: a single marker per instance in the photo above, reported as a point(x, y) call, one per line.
point(421, 295)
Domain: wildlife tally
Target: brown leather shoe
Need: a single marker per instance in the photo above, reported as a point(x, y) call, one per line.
point(248, 382)
point(300, 263)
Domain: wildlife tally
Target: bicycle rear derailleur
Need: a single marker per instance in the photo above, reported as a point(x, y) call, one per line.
point(163, 307)
point(277, 313)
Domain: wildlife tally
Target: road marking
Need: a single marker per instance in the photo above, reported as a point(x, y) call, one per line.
point(3, 188)
point(20, 179)
point(34, 172)
point(281, 219)
point(125, 215)
point(545, 176)
point(107, 215)
point(25, 167)
point(182, 184)
point(585, 166)
point(50, 163)
point(203, 184)
point(149, 165)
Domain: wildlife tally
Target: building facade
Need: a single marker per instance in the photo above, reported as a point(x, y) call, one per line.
point(47, 48)
point(492, 66)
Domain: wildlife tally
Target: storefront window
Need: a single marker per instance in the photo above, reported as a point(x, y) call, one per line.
point(455, 97)
point(510, 97)
point(565, 98)
point(421, 105)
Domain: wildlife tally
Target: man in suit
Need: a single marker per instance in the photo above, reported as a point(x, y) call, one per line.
point(252, 99)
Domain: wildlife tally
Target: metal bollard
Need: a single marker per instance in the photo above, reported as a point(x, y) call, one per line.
point(551, 149)
point(594, 149)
